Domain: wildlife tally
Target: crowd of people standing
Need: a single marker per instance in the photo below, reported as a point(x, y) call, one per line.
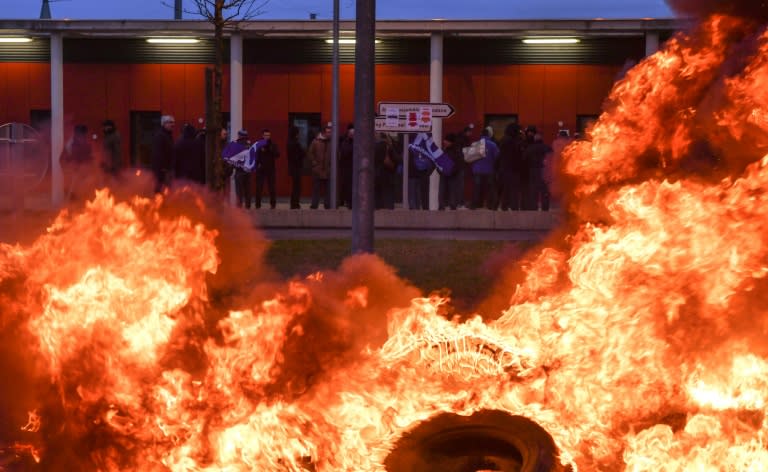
point(514, 173)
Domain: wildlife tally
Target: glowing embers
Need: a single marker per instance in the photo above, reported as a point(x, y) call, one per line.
point(487, 440)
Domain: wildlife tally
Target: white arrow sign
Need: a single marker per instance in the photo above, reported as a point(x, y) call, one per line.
point(439, 110)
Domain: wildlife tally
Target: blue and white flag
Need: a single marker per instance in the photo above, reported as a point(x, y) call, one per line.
point(238, 155)
point(426, 146)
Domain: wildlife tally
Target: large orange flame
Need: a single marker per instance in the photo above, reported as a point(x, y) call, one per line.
point(637, 342)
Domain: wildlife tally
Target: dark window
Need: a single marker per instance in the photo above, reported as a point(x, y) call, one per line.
point(309, 125)
point(40, 120)
point(144, 124)
point(584, 122)
point(499, 123)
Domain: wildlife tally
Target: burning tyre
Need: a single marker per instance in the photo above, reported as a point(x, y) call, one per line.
point(489, 440)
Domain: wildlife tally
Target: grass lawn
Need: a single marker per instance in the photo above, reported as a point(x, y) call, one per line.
point(466, 268)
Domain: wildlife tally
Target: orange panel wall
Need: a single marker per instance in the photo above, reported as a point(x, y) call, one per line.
point(538, 94)
point(502, 88)
point(17, 99)
point(39, 86)
point(194, 93)
point(145, 86)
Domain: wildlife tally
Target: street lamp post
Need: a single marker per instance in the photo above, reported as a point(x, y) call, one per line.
point(335, 108)
point(362, 171)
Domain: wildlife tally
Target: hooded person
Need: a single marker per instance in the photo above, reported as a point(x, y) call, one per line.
point(512, 169)
point(190, 159)
point(451, 189)
point(111, 149)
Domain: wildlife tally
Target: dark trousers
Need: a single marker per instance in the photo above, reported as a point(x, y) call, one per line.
point(418, 192)
point(451, 191)
point(538, 191)
point(511, 191)
point(345, 189)
point(320, 187)
point(295, 190)
point(269, 177)
point(243, 188)
point(482, 191)
point(384, 191)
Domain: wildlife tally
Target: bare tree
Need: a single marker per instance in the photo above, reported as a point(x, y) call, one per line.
point(223, 15)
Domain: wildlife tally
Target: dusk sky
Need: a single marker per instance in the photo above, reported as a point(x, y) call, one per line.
point(386, 9)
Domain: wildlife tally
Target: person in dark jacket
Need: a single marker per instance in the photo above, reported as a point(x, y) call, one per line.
point(189, 157)
point(451, 190)
point(265, 169)
point(385, 161)
point(296, 155)
point(534, 156)
point(162, 153)
point(111, 159)
point(77, 163)
point(511, 168)
point(418, 182)
point(346, 162)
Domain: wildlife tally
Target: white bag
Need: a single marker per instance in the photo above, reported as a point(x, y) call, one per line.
point(474, 151)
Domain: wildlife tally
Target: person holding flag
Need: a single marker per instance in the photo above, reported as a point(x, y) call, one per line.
point(238, 154)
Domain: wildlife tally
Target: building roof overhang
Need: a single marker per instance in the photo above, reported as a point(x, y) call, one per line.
point(321, 28)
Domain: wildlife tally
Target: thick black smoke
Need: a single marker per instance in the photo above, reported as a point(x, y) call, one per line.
point(753, 9)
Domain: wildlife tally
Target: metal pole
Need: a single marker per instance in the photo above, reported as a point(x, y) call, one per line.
point(16, 150)
point(405, 171)
point(45, 11)
point(436, 96)
point(335, 107)
point(57, 118)
point(651, 43)
point(235, 97)
point(177, 10)
point(365, 73)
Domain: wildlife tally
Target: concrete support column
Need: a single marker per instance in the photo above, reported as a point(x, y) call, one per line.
point(651, 43)
point(235, 96)
point(57, 118)
point(435, 96)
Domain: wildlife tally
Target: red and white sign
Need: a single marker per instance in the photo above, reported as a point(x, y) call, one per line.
point(437, 110)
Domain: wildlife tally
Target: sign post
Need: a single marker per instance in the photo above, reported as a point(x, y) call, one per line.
point(409, 117)
point(405, 171)
point(436, 110)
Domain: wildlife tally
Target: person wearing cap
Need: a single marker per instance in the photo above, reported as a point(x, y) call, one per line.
point(537, 192)
point(242, 176)
point(162, 158)
point(189, 156)
point(111, 152)
point(451, 190)
point(511, 168)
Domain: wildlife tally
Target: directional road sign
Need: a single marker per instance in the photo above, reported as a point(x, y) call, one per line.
point(384, 123)
point(438, 110)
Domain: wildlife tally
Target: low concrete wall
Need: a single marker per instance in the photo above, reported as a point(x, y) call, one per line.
point(411, 219)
